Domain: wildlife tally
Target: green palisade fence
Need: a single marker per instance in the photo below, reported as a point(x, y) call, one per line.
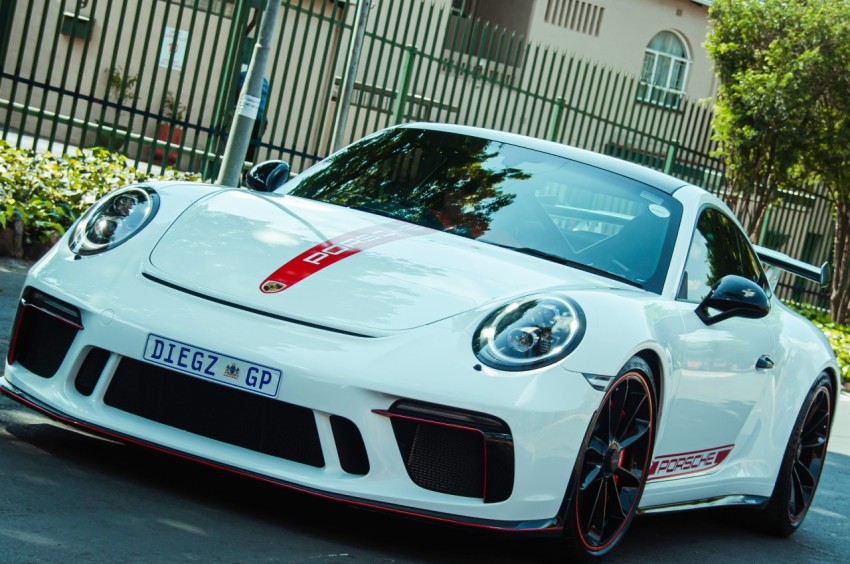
point(64, 63)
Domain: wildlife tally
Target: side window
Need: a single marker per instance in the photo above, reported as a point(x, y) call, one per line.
point(718, 248)
point(750, 264)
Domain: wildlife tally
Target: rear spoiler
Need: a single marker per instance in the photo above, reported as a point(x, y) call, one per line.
point(774, 261)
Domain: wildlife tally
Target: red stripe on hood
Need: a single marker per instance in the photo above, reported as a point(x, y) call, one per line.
point(334, 250)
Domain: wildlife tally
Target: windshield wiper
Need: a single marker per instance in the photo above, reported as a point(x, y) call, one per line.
point(566, 262)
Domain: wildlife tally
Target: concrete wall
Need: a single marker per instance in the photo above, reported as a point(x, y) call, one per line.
point(626, 28)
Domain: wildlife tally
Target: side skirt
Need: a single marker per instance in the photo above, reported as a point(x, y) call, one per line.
point(724, 501)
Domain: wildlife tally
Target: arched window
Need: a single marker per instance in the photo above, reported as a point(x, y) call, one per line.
point(665, 70)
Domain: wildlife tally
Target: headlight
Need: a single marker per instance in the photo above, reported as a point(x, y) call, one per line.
point(529, 333)
point(114, 219)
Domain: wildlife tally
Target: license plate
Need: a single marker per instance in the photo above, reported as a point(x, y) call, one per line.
point(211, 365)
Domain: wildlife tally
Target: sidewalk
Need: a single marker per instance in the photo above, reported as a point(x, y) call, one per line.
point(839, 439)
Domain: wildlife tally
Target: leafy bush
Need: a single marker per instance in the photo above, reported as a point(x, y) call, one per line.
point(48, 193)
point(838, 335)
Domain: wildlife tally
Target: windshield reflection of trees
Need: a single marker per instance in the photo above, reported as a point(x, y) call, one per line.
point(441, 180)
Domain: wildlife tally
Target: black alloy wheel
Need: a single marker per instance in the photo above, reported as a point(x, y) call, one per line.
point(613, 462)
point(802, 463)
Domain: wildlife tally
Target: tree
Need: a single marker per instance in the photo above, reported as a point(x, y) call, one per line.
point(826, 160)
point(783, 109)
point(762, 55)
point(430, 178)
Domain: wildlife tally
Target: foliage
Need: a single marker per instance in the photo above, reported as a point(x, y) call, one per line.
point(121, 85)
point(827, 159)
point(838, 334)
point(173, 108)
point(48, 193)
point(457, 190)
point(766, 60)
point(783, 108)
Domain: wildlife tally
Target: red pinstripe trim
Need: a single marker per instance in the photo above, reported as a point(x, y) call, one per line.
point(618, 533)
point(544, 526)
point(19, 316)
point(334, 250)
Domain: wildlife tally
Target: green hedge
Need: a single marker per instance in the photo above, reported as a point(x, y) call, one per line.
point(838, 335)
point(839, 338)
point(47, 193)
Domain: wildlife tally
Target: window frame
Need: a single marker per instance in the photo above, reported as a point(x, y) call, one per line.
point(744, 248)
point(658, 94)
point(220, 8)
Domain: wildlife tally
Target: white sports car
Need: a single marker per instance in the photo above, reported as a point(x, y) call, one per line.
point(444, 322)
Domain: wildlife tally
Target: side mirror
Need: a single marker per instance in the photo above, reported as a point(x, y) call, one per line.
point(733, 296)
point(267, 176)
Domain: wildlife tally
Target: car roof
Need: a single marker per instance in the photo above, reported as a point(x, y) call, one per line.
point(643, 174)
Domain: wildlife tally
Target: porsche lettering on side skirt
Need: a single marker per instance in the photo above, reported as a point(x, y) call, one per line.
point(210, 365)
point(674, 465)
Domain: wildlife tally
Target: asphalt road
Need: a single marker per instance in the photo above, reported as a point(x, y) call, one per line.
point(69, 497)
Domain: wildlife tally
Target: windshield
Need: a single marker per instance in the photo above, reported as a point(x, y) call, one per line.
point(534, 202)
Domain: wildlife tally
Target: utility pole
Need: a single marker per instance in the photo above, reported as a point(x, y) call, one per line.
point(248, 106)
point(352, 59)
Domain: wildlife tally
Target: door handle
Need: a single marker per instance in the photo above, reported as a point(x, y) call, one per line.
point(764, 363)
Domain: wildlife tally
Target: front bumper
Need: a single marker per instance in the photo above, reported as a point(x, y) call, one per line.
point(328, 377)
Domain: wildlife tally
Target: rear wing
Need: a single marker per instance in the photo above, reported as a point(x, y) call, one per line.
point(774, 262)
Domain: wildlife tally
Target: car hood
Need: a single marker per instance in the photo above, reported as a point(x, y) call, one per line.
point(340, 268)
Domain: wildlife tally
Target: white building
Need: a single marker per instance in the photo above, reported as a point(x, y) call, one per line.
point(662, 40)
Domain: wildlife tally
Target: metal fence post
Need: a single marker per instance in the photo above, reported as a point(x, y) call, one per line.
point(670, 159)
point(7, 13)
point(237, 33)
point(250, 98)
point(555, 120)
point(403, 84)
point(764, 226)
point(343, 99)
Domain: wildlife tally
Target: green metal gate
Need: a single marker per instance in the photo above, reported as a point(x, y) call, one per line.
point(141, 75)
point(158, 79)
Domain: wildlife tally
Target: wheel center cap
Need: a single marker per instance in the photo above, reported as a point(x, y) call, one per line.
point(611, 460)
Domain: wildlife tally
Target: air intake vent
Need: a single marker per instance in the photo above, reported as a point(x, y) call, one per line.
point(216, 411)
point(349, 446)
point(91, 370)
point(44, 330)
point(453, 451)
point(442, 459)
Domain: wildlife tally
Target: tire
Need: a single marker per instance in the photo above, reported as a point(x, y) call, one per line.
point(802, 463)
point(614, 459)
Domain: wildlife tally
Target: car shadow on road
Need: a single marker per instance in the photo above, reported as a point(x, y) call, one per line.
point(712, 535)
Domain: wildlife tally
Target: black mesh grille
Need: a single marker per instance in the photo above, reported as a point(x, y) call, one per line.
point(454, 451)
point(43, 333)
point(444, 459)
point(216, 411)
